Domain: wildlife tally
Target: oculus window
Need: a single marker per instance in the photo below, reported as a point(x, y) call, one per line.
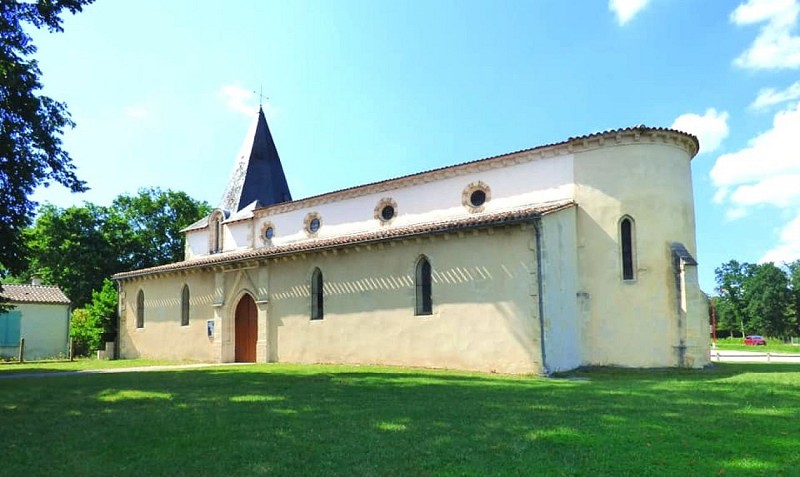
point(386, 210)
point(475, 196)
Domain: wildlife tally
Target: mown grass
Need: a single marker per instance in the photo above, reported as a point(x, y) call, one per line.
point(733, 419)
point(773, 346)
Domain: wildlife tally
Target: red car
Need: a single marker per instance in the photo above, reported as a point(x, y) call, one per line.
point(755, 341)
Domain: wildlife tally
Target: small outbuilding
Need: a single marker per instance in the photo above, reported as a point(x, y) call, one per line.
point(40, 316)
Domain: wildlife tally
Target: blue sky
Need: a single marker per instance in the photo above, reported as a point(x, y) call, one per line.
point(163, 93)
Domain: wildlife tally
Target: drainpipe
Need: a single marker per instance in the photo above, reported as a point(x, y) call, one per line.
point(117, 340)
point(537, 224)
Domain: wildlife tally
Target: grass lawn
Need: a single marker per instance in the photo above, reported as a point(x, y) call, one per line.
point(734, 419)
point(773, 346)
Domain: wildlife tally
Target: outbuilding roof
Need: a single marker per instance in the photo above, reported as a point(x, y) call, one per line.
point(33, 294)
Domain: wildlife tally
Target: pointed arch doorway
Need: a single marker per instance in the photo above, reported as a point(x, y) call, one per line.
point(246, 330)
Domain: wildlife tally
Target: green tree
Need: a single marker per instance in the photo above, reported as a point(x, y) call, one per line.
point(793, 270)
point(78, 247)
point(155, 219)
point(71, 248)
point(31, 125)
point(730, 301)
point(95, 324)
point(85, 331)
point(768, 301)
point(103, 307)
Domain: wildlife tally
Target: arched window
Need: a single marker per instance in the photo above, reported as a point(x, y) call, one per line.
point(423, 287)
point(140, 309)
point(185, 306)
point(215, 231)
point(626, 236)
point(316, 295)
point(217, 234)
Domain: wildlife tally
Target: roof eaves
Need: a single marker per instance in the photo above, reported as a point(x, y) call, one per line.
point(477, 221)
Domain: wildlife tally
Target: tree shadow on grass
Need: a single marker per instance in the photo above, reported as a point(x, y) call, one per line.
point(274, 420)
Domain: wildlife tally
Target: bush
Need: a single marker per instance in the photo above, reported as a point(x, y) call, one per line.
point(85, 331)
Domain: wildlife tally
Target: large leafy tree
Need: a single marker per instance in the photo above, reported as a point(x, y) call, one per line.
point(71, 248)
point(730, 302)
point(78, 247)
point(768, 301)
point(793, 270)
point(31, 124)
point(155, 219)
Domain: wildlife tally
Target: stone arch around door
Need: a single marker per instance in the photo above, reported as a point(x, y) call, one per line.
point(245, 329)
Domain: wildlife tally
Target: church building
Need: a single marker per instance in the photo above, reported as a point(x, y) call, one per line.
point(578, 253)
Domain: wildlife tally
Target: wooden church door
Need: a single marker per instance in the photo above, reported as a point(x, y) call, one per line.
point(246, 330)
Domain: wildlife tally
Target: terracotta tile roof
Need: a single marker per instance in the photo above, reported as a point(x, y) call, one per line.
point(33, 294)
point(517, 215)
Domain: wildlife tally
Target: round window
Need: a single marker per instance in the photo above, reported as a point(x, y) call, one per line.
point(387, 212)
point(269, 233)
point(313, 226)
point(477, 198)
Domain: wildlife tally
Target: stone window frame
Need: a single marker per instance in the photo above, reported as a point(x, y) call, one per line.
point(627, 248)
point(317, 295)
point(423, 286)
point(471, 188)
point(185, 305)
point(263, 234)
point(215, 235)
point(382, 204)
point(307, 224)
point(140, 309)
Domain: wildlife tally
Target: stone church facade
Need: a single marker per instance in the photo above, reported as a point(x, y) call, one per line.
point(542, 260)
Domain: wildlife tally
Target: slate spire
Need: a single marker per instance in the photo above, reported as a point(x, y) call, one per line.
point(257, 174)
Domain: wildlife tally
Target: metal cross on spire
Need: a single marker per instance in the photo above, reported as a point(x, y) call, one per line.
point(261, 96)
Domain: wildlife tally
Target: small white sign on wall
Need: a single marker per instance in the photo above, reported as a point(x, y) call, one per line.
point(210, 328)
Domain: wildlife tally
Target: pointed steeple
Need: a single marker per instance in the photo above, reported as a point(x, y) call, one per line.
point(257, 174)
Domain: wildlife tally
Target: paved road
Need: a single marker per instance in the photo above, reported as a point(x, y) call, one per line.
point(726, 356)
point(136, 369)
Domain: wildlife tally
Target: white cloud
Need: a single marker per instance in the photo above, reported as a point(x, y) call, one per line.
point(770, 97)
point(780, 191)
point(239, 99)
point(775, 45)
point(766, 172)
point(735, 214)
point(768, 155)
point(625, 10)
point(788, 249)
point(711, 128)
point(138, 112)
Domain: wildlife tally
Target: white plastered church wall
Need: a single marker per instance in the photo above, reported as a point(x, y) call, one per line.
point(162, 336)
point(632, 322)
point(559, 262)
point(486, 282)
point(484, 317)
point(534, 181)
